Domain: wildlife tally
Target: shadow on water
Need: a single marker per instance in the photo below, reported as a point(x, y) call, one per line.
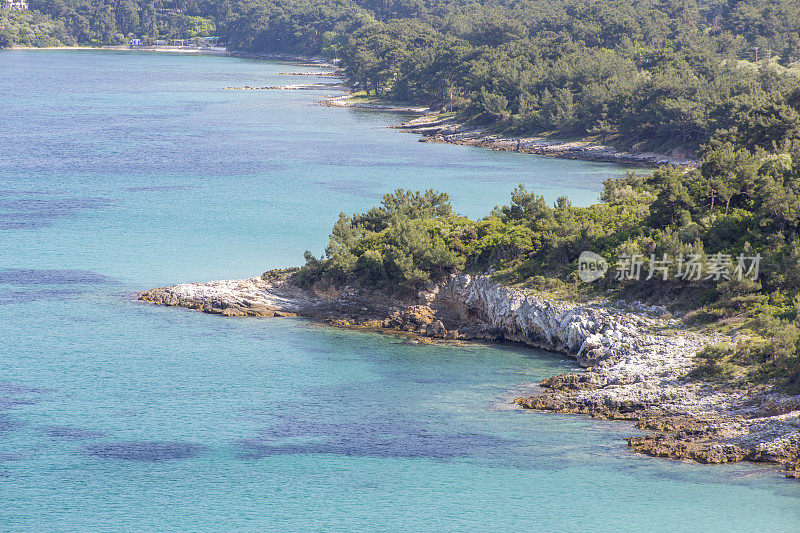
point(71, 433)
point(389, 438)
point(26, 276)
point(147, 451)
point(33, 284)
point(34, 210)
point(13, 395)
point(158, 188)
point(361, 188)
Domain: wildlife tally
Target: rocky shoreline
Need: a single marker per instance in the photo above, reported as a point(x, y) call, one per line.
point(293, 87)
point(435, 129)
point(637, 359)
point(347, 101)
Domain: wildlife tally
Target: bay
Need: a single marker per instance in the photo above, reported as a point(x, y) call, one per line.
point(122, 171)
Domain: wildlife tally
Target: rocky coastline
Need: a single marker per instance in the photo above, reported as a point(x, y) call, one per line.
point(433, 128)
point(436, 129)
point(292, 87)
point(348, 101)
point(637, 358)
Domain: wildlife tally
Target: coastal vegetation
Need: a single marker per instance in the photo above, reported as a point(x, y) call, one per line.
point(741, 202)
point(32, 28)
point(650, 75)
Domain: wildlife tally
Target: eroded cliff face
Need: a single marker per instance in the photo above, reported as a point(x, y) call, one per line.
point(592, 332)
point(620, 347)
point(637, 369)
point(637, 364)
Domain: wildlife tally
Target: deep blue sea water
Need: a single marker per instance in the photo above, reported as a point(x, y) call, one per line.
point(122, 171)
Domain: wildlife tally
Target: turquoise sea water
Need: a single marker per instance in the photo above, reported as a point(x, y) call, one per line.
point(121, 171)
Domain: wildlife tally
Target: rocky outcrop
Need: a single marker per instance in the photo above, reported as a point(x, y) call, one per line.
point(434, 129)
point(246, 297)
point(637, 369)
point(637, 360)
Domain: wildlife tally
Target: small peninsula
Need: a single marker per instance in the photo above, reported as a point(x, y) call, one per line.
point(714, 379)
point(638, 365)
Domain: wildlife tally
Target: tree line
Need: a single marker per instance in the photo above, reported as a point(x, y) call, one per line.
point(646, 74)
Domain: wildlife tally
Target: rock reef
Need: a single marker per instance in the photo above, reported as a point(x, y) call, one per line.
point(637, 359)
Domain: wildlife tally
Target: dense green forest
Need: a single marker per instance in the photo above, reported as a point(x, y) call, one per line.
point(649, 74)
point(105, 22)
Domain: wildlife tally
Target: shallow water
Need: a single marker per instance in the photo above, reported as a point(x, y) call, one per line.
point(121, 171)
